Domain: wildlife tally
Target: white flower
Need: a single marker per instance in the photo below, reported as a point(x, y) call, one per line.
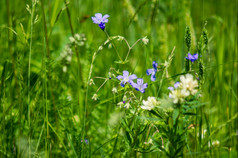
point(71, 39)
point(188, 84)
point(120, 104)
point(100, 48)
point(216, 143)
point(150, 103)
point(114, 90)
point(178, 95)
point(127, 105)
point(120, 38)
point(145, 40)
point(95, 97)
point(149, 142)
point(64, 68)
point(91, 82)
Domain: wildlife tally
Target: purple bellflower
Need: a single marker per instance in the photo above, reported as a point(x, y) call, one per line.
point(152, 71)
point(140, 86)
point(176, 85)
point(126, 78)
point(100, 20)
point(192, 58)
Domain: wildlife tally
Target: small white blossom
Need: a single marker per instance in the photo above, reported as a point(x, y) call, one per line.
point(91, 82)
point(71, 39)
point(216, 143)
point(110, 46)
point(100, 48)
point(178, 95)
point(95, 97)
point(150, 103)
point(188, 84)
point(120, 38)
point(69, 58)
point(114, 90)
point(127, 105)
point(64, 68)
point(149, 142)
point(120, 104)
point(145, 40)
point(124, 98)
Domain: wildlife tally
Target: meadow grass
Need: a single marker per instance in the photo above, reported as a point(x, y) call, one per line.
point(54, 59)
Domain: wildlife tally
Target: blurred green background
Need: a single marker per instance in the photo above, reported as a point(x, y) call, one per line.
point(58, 97)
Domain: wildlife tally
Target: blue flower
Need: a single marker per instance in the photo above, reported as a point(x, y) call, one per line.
point(192, 58)
point(176, 85)
point(100, 20)
point(126, 78)
point(85, 140)
point(152, 71)
point(140, 86)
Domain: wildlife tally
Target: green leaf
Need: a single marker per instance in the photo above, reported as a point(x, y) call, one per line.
point(175, 115)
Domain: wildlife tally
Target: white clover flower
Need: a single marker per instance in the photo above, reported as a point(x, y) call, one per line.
point(178, 95)
point(95, 97)
point(145, 40)
point(188, 84)
point(114, 90)
point(150, 103)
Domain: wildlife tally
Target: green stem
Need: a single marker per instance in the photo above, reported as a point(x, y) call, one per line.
point(112, 44)
point(29, 75)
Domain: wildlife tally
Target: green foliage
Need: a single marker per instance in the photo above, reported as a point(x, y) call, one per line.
point(54, 59)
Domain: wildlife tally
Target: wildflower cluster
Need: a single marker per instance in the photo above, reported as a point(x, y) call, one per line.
point(168, 110)
point(67, 54)
point(126, 78)
point(183, 89)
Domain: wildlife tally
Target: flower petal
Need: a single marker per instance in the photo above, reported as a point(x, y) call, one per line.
point(176, 85)
point(125, 73)
point(95, 20)
point(102, 26)
point(195, 56)
point(142, 91)
point(190, 56)
point(104, 18)
point(150, 71)
point(133, 84)
point(153, 78)
point(145, 86)
point(98, 16)
point(123, 85)
point(171, 88)
point(154, 65)
point(132, 77)
point(140, 81)
point(119, 77)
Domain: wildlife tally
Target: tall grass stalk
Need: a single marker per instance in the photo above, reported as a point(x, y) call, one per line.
point(33, 4)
